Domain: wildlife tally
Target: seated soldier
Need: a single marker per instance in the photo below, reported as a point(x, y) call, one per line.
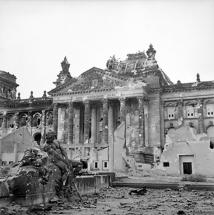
point(58, 156)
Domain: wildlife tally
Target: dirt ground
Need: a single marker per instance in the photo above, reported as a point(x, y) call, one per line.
point(118, 201)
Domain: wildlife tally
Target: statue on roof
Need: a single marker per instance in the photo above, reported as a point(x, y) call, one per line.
point(112, 63)
point(151, 52)
point(151, 61)
point(64, 75)
point(65, 65)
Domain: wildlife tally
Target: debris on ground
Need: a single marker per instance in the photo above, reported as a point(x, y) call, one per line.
point(139, 191)
point(117, 201)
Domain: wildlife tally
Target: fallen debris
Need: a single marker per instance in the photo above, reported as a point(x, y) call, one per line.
point(43, 174)
point(181, 213)
point(139, 191)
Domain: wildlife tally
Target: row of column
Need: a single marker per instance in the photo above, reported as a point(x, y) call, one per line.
point(107, 121)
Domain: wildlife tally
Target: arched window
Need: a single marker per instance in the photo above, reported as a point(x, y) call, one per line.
point(36, 121)
point(49, 118)
point(170, 111)
point(210, 109)
point(191, 109)
point(23, 119)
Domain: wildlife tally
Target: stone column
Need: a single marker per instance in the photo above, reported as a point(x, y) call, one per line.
point(16, 120)
point(105, 122)
point(61, 124)
point(4, 127)
point(43, 126)
point(76, 126)
point(111, 137)
point(55, 117)
point(70, 122)
point(201, 127)
point(29, 122)
point(93, 125)
point(4, 122)
point(122, 109)
point(141, 122)
point(86, 121)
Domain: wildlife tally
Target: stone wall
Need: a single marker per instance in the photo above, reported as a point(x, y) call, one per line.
point(184, 145)
point(14, 144)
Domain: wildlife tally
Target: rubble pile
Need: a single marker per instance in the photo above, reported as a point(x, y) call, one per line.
point(44, 174)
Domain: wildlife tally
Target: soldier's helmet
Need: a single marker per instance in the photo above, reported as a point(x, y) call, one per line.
point(50, 136)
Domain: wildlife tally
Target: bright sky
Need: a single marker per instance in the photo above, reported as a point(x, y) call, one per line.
point(36, 35)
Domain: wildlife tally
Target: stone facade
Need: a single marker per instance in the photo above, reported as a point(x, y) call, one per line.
point(23, 123)
point(116, 115)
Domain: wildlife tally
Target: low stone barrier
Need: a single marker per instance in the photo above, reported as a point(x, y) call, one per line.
point(92, 183)
point(37, 194)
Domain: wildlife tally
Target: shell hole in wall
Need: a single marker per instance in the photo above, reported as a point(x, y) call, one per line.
point(37, 137)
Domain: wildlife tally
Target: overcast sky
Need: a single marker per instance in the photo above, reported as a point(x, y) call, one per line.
point(36, 35)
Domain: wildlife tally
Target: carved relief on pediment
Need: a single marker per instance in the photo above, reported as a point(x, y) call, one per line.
point(110, 83)
point(94, 81)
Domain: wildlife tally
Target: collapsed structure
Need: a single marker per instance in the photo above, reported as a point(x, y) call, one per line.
point(116, 118)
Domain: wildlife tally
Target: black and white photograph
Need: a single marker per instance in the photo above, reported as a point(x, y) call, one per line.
point(106, 107)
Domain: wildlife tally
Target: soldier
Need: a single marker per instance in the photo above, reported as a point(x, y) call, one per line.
point(58, 156)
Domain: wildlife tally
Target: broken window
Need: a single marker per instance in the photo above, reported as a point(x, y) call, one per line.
point(210, 110)
point(95, 165)
point(191, 111)
point(49, 118)
point(211, 144)
point(23, 120)
point(105, 164)
point(36, 120)
point(165, 164)
point(171, 113)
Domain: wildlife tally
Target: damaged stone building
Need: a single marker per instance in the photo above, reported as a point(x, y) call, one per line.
point(129, 115)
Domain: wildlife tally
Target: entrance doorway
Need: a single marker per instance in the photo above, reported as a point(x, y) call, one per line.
point(187, 168)
point(186, 163)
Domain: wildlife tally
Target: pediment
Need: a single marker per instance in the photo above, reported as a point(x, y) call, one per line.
point(92, 80)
